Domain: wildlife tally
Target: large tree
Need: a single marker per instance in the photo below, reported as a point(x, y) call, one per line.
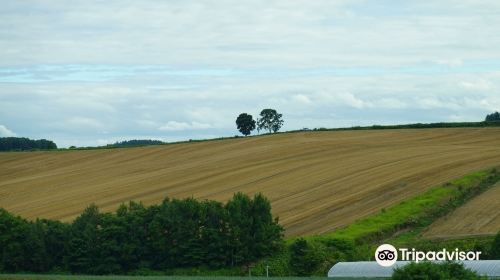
point(245, 123)
point(270, 120)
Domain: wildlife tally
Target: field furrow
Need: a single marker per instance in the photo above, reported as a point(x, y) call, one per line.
point(316, 181)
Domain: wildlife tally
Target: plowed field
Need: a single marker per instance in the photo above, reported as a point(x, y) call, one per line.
point(479, 216)
point(316, 181)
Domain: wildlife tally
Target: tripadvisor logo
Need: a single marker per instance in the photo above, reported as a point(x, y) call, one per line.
point(387, 255)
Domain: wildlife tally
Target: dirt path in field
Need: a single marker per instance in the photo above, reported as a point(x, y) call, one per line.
point(479, 216)
point(316, 181)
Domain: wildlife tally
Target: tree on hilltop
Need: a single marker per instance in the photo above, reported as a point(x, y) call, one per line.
point(270, 120)
point(245, 123)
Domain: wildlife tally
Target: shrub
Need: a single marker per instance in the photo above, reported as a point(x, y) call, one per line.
point(495, 247)
point(434, 271)
point(304, 259)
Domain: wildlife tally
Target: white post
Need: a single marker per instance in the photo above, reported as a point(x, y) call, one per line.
point(267, 271)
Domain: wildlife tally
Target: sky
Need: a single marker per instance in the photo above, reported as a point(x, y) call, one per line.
point(91, 72)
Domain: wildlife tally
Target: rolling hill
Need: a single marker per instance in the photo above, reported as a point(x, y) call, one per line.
point(316, 181)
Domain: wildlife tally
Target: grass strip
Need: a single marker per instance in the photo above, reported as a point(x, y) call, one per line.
point(416, 212)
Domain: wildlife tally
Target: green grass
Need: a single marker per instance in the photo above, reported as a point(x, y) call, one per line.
point(406, 213)
point(113, 277)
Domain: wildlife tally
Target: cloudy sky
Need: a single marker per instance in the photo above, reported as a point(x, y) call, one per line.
point(94, 72)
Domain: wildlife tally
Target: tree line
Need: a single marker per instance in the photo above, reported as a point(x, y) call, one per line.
point(25, 144)
point(174, 234)
point(136, 142)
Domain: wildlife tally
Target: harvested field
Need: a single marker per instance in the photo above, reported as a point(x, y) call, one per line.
point(316, 181)
point(479, 216)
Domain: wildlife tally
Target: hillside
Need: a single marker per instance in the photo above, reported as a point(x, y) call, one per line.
point(316, 181)
point(480, 216)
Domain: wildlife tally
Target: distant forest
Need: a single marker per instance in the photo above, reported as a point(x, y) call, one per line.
point(25, 144)
point(131, 143)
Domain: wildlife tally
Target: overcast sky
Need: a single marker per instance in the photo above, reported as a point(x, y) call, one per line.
point(94, 72)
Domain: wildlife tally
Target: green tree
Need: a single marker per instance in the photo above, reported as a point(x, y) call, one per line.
point(136, 250)
point(84, 243)
point(493, 117)
point(214, 234)
point(434, 271)
point(245, 123)
point(22, 144)
point(56, 240)
point(304, 258)
point(111, 235)
point(253, 232)
point(240, 228)
point(13, 233)
point(175, 234)
point(267, 233)
point(270, 120)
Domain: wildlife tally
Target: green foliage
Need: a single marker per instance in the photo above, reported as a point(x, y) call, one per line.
point(411, 126)
point(434, 271)
point(305, 259)
point(495, 248)
point(253, 234)
point(245, 123)
point(136, 143)
point(278, 265)
point(25, 144)
point(493, 117)
point(31, 246)
point(270, 120)
point(175, 234)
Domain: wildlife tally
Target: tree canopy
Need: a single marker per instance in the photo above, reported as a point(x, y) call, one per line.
point(437, 271)
point(24, 144)
point(174, 234)
point(270, 120)
point(493, 117)
point(136, 142)
point(245, 123)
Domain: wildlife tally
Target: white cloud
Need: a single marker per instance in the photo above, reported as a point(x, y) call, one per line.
point(351, 100)
point(180, 126)
point(5, 132)
point(122, 67)
point(84, 123)
point(302, 99)
point(450, 62)
point(481, 85)
point(391, 103)
point(436, 103)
